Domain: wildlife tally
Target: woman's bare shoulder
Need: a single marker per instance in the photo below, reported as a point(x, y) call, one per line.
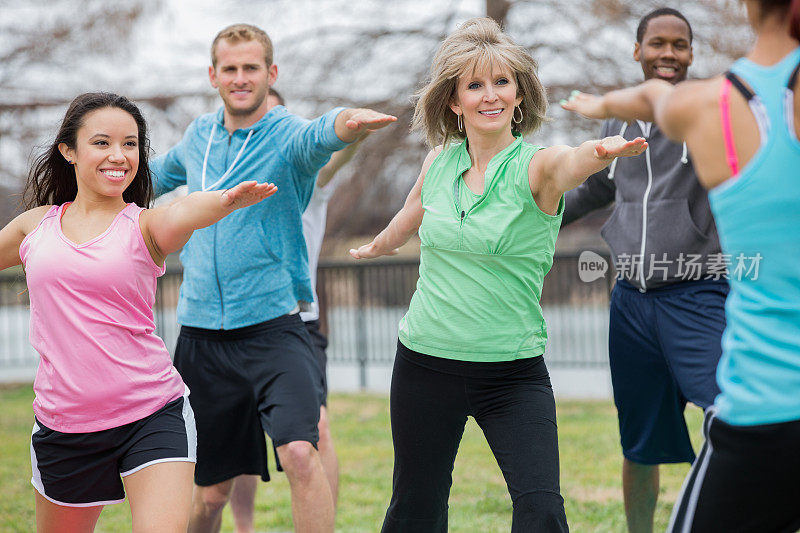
point(31, 218)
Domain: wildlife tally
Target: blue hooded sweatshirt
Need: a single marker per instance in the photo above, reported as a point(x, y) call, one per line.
point(252, 265)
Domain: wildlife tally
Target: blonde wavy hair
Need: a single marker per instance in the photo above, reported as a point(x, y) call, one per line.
point(477, 43)
point(242, 32)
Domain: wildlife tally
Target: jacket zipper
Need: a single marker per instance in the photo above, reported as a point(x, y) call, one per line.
point(461, 231)
point(645, 127)
point(457, 205)
point(219, 284)
point(216, 266)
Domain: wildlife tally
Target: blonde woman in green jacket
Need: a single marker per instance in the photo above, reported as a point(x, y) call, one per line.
point(488, 208)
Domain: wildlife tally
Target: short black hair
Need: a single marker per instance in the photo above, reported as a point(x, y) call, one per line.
point(277, 95)
point(640, 31)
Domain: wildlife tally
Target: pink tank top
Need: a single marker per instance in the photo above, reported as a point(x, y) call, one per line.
point(101, 363)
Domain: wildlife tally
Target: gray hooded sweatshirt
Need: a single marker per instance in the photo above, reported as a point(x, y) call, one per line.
point(661, 230)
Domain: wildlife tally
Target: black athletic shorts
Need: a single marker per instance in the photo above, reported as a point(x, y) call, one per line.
point(85, 469)
point(745, 479)
point(244, 382)
point(320, 343)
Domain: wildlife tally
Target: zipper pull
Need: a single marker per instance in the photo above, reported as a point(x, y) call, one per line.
point(462, 216)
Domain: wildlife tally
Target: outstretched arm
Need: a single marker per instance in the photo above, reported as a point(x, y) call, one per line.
point(558, 169)
point(634, 103)
point(169, 169)
point(352, 123)
point(404, 224)
point(337, 161)
point(596, 192)
point(672, 107)
point(167, 228)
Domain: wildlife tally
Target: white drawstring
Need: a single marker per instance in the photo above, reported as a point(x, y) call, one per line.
point(684, 158)
point(230, 168)
point(613, 167)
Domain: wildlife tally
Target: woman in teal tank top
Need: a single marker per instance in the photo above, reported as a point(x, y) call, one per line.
point(488, 207)
point(742, 130)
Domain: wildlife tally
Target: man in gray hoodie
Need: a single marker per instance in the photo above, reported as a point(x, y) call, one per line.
point(667, 308)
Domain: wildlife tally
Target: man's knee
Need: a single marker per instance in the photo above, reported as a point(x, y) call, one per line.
point(213, 497)
point(299, 459)
point(639, 472)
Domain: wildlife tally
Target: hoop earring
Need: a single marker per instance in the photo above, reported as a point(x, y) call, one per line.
point(514, 115)
point(460, 123)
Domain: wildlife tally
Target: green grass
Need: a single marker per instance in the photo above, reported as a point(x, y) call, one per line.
point(590, 472)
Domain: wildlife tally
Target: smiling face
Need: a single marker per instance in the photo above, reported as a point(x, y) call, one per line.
point(106, 152)
point(665, 51)
point(485, 98)
point(242, 77)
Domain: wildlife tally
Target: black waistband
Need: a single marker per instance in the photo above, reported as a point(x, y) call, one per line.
point(254, 330)
point(472, 369)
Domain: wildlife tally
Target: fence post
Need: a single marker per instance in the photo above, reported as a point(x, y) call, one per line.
point(361, 334)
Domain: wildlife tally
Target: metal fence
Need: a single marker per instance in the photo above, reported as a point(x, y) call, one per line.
point(361, 305)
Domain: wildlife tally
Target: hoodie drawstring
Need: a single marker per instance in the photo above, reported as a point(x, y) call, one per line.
point(230, 168)
point(613, 167)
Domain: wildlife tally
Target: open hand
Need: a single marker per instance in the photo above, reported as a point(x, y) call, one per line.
point(586, 105)
point(246, 194)
point(370, 251)
point(617, 146)
point(368, 120)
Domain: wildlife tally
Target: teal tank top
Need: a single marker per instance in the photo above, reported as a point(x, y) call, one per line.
point(758, 218)
point(481, 267)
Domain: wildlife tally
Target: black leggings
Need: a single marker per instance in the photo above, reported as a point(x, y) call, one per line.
point(745, 479)
point(513, 404)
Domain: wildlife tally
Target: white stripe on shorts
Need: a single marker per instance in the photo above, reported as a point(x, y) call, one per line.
point(691, 506)
point(191, 440)
point(191, 430)
point(36, 481)
point(90, 504)
point(156, 461)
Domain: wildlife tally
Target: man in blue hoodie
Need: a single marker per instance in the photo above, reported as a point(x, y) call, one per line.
point(668, 306)
point(243, 350)
point(314, 217)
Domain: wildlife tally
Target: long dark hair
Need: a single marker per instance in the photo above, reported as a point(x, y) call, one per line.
point(51, 179)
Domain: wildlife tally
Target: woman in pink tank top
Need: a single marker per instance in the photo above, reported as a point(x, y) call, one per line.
point(111, 412)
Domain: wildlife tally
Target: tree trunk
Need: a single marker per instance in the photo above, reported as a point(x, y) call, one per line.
point(497, 10)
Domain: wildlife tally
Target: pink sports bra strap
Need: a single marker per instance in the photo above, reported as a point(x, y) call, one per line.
point(727, 132)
